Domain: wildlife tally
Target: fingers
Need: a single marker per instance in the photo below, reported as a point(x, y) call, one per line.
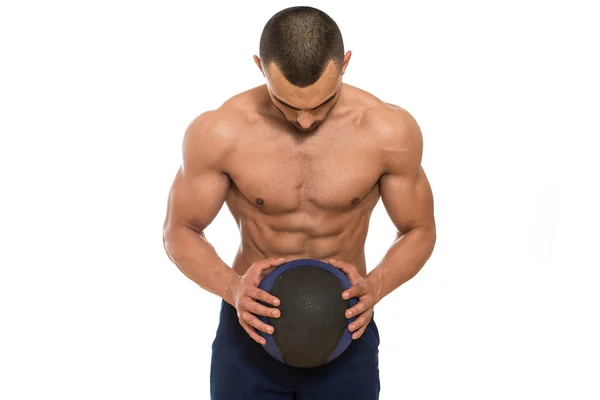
point(358, 327)
point(259, 294)
point(355, 291)
point(250, 295)
point(346, 268)
point(252, 333)
point(249, 308)
point(260, 266)
point(360, 307)
point(259, 309)
point(358, 288)
point(247, 315)
point(359, 332)
point(253, 321)
point(266, 272)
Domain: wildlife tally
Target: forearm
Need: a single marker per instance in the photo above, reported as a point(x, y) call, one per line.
point(403, 261)
point(197, 259)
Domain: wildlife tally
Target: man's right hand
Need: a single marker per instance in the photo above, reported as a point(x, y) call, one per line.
point(246, 295)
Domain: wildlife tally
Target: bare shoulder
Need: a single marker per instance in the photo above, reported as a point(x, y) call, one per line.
point(402, 128)
point(212, 136)
point(392, 126)
point(398, 137)
point(206, 142)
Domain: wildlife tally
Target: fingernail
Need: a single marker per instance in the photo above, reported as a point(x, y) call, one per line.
point(346, 295)
point(355, 336)
point(276, 302)
point(270, 330)
point(352, 327)
point(275, 313)
point(263, 342)
point(349, 313)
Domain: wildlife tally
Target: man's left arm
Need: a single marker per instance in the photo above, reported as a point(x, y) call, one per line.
point(407, 197)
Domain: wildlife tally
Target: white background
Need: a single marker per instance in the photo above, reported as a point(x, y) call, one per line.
point(95, 97)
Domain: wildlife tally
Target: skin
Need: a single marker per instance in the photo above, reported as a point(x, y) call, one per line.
point(301, 170)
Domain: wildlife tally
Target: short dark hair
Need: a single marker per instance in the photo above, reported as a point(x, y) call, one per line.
point(301, 41)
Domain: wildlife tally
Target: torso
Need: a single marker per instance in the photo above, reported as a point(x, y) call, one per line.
point(298, 195)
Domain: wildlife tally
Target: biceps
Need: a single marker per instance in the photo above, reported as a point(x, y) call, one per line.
point(195, 201)
point(408, 200)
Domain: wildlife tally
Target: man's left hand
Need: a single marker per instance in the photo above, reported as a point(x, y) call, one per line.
point(363, 289)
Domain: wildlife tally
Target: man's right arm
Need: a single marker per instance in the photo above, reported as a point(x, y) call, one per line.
point(197, 194)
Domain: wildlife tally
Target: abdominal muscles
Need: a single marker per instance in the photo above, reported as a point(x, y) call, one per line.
point(304, 234)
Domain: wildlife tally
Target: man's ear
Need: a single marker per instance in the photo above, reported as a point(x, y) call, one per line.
point(347, 57)
point(259, 64)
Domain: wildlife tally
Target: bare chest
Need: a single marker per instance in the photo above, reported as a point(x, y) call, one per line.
point(283, 174)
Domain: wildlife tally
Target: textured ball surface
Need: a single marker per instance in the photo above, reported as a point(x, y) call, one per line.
point(312, 329)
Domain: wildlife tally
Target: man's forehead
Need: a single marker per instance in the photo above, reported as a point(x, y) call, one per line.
point(303, 98)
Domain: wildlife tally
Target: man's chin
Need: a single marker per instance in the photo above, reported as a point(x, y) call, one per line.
point(306, 130)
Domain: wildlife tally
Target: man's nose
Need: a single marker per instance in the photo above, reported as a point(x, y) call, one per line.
point(305, 120)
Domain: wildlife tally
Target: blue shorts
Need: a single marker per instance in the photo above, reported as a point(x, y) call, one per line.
point(242, 370)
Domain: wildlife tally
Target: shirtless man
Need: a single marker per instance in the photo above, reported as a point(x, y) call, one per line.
point(301, 163)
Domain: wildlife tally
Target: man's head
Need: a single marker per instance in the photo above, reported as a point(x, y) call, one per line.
point(302, 57)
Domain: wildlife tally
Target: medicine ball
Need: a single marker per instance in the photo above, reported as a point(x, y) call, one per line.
point(312, 329)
